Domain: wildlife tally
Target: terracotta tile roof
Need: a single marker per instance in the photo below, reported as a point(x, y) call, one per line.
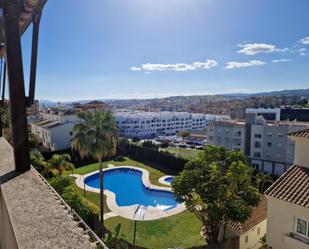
point(292, 186)
point(259, 214)
point(301, 133)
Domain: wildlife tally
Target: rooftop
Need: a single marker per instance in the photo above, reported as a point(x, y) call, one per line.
point(301, 133)
point(292, 186)
point(259, 214)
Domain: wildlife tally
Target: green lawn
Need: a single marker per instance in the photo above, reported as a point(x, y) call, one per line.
point(183, 152)
point(182, 230)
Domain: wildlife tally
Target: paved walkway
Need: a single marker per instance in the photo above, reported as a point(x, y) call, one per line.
point(75, 175)
point(110, 215)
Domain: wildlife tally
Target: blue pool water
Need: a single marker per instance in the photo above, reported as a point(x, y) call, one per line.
point(169, 179)
point(129, 189)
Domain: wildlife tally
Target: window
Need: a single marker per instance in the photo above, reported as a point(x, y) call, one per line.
point(257, 154)
point(258, 135)
point(258, 231)
point(302, 227)
point(268, 144)
point(246, 239)
point(257, 144)
point(280, 135)
point(256, 166)
point(237, 134)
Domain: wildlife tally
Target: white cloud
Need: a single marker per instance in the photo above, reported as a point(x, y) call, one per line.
point(281, 60)
point(179, 67)
point(167, 67)
point(235, 64)
point(205, 65)
point(136, 69)
point(255, 48)
point(302, 51)
point(304, 40)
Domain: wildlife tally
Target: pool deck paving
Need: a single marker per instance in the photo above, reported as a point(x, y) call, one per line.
point(129, 212)
point(162, 180)
point(110, 215)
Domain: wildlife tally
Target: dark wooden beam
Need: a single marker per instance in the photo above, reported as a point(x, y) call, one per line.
point(34, 54)
point(11, 11)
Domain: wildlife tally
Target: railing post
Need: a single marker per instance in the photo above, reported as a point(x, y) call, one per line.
point(11, 11)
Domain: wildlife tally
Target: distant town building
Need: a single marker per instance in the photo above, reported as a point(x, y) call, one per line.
point(266, 144)
point(33, 112)
point(238, 107)
point(288, 201)
point(90, 106)
point(266, 113)
point(54, 129)
point(151, 124)
point(284, 113)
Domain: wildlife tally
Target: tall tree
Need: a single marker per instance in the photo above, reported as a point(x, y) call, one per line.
point(217, 186)
point(58, 163)
point(261, 179)
point(96, 136)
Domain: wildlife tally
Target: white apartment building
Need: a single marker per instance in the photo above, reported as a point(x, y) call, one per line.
point(228, 134)
point(266, 144)
point(151, 124)
point(288, 201)
point(55, 129)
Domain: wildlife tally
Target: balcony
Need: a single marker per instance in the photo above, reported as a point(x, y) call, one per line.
point(33, 215)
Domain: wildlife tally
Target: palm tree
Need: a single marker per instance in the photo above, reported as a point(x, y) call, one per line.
point(58, 163)
point(96, 136)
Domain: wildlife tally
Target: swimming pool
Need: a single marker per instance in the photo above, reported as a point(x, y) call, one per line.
point(128, 187)
point(169, 179)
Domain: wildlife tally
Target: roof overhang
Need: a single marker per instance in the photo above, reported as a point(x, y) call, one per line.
point(27, 11)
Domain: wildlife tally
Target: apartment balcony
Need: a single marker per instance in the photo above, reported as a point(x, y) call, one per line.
point(33, 215)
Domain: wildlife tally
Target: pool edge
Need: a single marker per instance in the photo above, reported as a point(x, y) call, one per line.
point(128, 212)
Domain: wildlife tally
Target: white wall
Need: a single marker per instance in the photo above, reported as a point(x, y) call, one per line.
point(281, 217)
point(253, 236)
point(301, 151)
point(60, 136)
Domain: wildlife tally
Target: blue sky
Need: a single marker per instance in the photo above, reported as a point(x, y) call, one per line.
point(154, 48)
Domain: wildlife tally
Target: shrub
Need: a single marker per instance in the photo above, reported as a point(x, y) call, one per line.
point(142, 153)
point(149, 144)
point(183, 134)
point(164, 144)
point(119, 158)
point(75, 202)
point(135, 139)
point(60, 183)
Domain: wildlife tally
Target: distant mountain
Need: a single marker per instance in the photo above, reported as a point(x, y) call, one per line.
point(299, 92)
point(193, 99)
